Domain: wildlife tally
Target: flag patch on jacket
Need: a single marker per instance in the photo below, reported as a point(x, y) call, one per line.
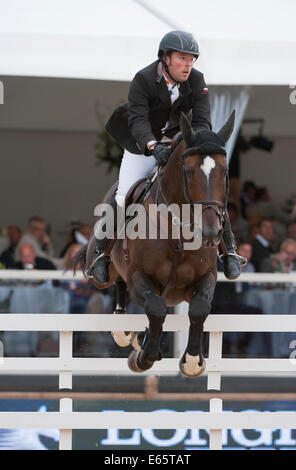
point(205, 90)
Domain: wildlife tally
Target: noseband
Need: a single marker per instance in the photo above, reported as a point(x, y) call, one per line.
point(218, 207)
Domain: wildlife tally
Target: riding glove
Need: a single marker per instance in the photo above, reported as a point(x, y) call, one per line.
point(161, 154)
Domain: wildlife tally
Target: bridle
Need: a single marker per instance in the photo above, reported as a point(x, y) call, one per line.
point(218, 207)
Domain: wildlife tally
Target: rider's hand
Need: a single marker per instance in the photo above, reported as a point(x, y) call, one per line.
point(161, 154)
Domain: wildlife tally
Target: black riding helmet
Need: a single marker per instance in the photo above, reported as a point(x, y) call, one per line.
point(178, 41)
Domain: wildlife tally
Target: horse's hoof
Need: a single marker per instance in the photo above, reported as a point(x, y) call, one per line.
point(191, 368)
point(119, 311)
point(121, 338)
point(133, 360)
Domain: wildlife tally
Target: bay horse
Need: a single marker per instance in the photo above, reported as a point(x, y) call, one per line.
point(160, 273)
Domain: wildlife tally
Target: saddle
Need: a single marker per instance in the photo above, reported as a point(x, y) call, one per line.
point(140, 192)
point(137, 194)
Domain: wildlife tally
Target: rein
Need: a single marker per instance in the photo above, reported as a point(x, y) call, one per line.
point(217, 206)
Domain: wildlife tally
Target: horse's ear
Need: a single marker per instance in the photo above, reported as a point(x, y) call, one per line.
point(226, 131)
point(186, 129)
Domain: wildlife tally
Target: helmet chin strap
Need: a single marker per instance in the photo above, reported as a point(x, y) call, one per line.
point(168, 72)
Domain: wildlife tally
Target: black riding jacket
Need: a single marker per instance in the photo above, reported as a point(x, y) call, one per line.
point(149, 108)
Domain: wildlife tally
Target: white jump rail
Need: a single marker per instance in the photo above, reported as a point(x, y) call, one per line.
point(215, 420)
point(65, 364)
point(14, 274)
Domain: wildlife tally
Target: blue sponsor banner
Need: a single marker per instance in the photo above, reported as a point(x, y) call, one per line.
point(147, 439)
point(29, 439)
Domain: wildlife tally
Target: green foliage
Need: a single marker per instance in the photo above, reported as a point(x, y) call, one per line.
point(107, 149)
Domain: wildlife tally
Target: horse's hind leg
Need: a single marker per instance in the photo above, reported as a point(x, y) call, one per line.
point(122, 338)
point(121, 296)
point(143, 293)
point(192, 363)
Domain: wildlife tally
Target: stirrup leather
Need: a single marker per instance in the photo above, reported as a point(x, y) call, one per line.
point(243, 261)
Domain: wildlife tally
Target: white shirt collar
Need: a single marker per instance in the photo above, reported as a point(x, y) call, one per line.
point(262, 240)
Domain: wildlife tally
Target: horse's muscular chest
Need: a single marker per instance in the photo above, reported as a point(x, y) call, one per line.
point(186, 271)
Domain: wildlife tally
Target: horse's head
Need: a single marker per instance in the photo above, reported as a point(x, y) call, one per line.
point(205, 175)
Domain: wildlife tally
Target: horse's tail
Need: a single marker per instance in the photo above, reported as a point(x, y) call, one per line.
point(80, 259)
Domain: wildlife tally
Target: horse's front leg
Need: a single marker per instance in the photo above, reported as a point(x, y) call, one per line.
point(143, 293)
point(122, 338)
point(192, 363)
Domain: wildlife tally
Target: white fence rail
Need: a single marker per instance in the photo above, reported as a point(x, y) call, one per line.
point(215, 420)
point(65, 365)
point(16, 274)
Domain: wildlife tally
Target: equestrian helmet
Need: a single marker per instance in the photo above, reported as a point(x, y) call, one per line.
point(180, 41)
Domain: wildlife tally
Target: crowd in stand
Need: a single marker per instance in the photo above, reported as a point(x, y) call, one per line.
point(267, 231)
point(265, 235)
point(34, 248)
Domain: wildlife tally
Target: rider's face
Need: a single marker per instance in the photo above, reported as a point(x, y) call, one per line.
point(180, 65)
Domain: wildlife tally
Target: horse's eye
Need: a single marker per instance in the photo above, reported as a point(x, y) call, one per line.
point(189, 172)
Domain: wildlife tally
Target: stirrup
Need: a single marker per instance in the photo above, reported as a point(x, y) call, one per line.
point(99, 256)
point(243, 261)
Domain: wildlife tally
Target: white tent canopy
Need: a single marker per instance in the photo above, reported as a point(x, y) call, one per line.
point(60, 58)
point(241, 43)
point(46, 46)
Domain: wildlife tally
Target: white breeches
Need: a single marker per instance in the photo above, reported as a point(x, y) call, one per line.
point(133, 167)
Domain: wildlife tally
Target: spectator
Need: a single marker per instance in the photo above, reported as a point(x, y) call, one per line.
point(247, 196)
point(70, 240)
point(229, 299)
point(29, 260)
point(81, 235)
point(292, 231)
point(68, 259)
point(81, 294)
point(240, 226)
point(245, 249)
point(284, 261)
point(261, 244)
point(264, 207)
point(80, 290)
point(37, 237)
point(7, 257)
point(261, 204)
point(254, 222)
point(267, 209)
point(86, 231)
point(32, 300)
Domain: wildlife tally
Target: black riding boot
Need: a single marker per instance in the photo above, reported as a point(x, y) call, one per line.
point(99, 268)
point(232, 262)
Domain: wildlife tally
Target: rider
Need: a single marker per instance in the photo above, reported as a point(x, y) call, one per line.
point(156, 97)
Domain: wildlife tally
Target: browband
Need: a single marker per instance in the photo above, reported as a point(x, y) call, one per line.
point(205, 149)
